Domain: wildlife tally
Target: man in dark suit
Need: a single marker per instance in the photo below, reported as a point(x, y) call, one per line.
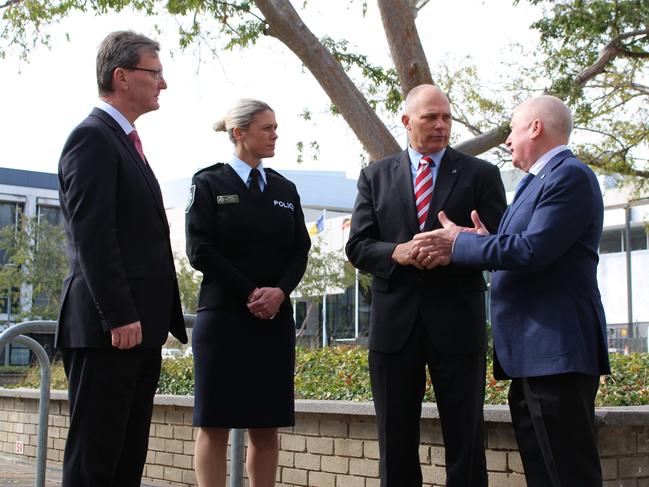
point(121, 298)
point(419, 317)
point(548, 321)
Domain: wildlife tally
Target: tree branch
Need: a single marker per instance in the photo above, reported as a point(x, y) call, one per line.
point(470, 127)
point(287, 26)
point(9, 3)
point(408, 56)
point(240, 8)
point(484, 142)
point(634, 54)
point(641, 88)
point(603, 162)
point(417, 5)
point(609, 52)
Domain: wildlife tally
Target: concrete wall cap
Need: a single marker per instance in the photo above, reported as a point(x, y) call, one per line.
point(604, 416)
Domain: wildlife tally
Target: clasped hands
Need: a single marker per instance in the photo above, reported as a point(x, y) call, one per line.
point(431, 249)
point(264, 302)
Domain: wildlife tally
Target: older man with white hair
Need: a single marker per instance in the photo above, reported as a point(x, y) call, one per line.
point(548, 321)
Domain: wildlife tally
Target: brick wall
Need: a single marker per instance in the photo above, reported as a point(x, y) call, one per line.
point(333, 443)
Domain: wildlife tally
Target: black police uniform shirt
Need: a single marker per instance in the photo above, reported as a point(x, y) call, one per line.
point(240, 241)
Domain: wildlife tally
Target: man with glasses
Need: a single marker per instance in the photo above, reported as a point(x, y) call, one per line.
point(121, 298)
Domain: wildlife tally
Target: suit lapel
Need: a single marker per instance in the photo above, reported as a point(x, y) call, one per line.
point(533, 188)
point(447, 176)
point(403, 183)
point(143, 167)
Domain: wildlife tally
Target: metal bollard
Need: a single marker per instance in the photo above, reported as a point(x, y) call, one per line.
point(14, 334)
point(236, 458)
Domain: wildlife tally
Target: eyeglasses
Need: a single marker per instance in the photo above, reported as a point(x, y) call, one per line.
point(157, 73)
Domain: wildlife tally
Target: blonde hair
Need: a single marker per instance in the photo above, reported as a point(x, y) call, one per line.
point(241, 115)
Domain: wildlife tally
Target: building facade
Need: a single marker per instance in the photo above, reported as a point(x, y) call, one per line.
point(328, 197)
point(33, 194)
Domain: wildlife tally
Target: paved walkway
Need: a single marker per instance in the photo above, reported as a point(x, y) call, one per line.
point(16, 472)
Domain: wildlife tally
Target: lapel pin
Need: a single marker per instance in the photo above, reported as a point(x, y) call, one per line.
point(542, 176)
point(454, 171)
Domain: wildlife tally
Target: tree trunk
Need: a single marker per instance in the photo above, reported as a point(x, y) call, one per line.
point(408, 56)
point(300, 332)
point(287, 26)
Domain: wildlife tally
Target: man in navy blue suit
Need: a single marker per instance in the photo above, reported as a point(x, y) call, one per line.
point(548, 321)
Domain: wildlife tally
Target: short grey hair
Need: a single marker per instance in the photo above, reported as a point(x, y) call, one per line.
point(554, 113)
point(120, 49)
point(241, 115)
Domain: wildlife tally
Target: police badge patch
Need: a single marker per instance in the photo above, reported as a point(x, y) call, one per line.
point(190, 198)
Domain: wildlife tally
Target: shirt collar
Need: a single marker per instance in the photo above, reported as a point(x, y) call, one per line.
point(545, 158)
point(117, 116)
point(415, 157)
point(243, 169)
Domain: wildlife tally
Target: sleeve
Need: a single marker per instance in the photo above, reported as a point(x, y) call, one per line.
point(296, 265)
point(89, 171)
point(364, 249)
point(202, 238)
point(562, 213)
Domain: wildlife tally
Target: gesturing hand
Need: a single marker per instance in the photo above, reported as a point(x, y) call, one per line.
point(478, 226)
point(434, 248)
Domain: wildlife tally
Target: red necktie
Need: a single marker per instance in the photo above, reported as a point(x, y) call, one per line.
point(135, 138)
point(423, 189)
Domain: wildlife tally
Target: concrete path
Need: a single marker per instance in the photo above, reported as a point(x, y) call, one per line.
point(16, 472)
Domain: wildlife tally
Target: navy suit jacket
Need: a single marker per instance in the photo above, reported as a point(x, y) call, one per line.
point(546, 310)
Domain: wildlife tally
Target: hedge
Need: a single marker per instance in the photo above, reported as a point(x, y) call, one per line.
point(342, 373)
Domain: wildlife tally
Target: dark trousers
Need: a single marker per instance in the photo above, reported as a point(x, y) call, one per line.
point(554, 422)
point(111, 401)
point(398, 386)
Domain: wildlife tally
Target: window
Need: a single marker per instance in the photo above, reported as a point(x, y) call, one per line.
point(611, 241)
point(9, 212)
point(638, 238)
point(300, 313)
point(51, 214)
point(615, 240)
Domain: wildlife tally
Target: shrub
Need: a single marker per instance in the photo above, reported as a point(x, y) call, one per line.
point(342, 373)
point(627, 385)
point(14, 369)
point(57, 380)
point(332, 373)
point(177, 377)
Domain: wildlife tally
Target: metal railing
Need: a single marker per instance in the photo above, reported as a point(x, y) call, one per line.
point(15, 334)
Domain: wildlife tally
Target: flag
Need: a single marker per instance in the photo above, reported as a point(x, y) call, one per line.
point(317, 227)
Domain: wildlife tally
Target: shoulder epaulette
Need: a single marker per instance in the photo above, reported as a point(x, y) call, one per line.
point(210, 168)
point(272, 171)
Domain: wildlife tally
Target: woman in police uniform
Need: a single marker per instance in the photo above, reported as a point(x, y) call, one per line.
point(246, 234)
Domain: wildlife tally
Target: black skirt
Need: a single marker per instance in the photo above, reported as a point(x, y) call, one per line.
point(243, 369)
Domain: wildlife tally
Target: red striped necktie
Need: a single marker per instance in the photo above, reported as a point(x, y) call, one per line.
point(423, 189)
point(135, 138)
